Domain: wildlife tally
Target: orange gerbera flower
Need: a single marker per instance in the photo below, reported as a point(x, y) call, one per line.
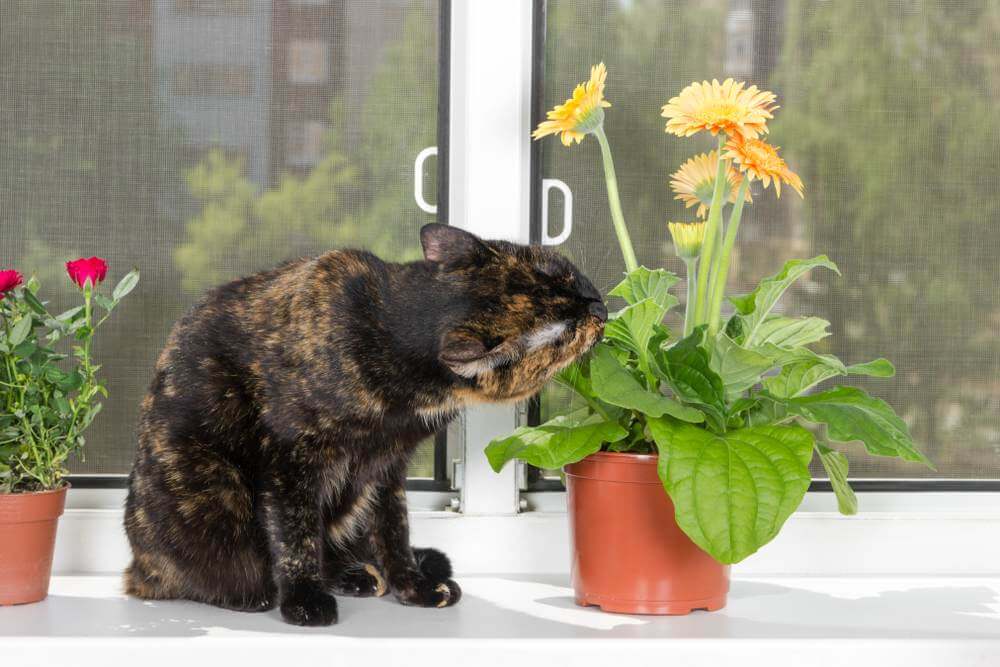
point(579, 115)
point(694, 182)
point(727, 107)
point(759, 159)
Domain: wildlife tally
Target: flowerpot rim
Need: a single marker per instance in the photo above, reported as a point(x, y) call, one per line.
point(624, 457)
point(62, 488)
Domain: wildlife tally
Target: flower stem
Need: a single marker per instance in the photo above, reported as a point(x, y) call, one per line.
point(615, 203)
point(722, 271)
point(692, 287)
point(708, 250)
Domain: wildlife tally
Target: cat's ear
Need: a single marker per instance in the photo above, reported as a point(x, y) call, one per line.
point(450, 246)
point(467, 356)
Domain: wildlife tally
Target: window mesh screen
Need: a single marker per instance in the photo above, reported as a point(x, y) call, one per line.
point(201, 141)
point(889, 113)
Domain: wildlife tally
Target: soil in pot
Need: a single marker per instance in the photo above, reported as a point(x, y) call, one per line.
point(27, 540)
point(629, 555)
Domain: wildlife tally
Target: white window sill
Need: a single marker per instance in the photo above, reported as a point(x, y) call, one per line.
point(941, 534)
point(502, 619)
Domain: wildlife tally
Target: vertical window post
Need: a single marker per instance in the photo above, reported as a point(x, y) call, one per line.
point(489, 187)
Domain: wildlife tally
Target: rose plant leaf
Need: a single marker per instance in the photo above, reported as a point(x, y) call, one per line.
point(125, 285)
point(71, 315)
point(757, 305)
point(34, 303)
point(615, 384)
point(836, 467)
point(732, 492)
point(19, 332)
point(644, 283)
point(850, 414)
point(104, 302)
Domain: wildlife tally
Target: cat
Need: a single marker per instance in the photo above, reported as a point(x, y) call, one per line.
point(275, 436)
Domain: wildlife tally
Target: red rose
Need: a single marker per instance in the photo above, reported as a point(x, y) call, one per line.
point(81, 270)
point(9, 279)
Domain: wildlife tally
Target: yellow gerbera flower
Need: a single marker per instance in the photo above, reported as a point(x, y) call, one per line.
point(760, 160)
point(694, 182)
point(579, 115)
point(727, 107)
point(688, 238)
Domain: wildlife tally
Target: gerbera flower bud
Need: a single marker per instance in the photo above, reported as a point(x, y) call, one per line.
point(688, 238)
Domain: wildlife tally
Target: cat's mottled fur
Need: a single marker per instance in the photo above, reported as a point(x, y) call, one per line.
point(274, 441)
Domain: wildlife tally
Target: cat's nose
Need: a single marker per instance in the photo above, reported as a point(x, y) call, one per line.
point(598, 310)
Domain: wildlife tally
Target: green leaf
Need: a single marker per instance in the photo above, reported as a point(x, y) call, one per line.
point(576, 377)
point(790, 332)
point(646, 284)
point(733, 492)
point(615, 384)
point(634, 326)
point(553, 444)
point(691, 377)
point(71, 315)
point(19, 332)
point(63, 405)
point(743, 303)
point(836, 467)
point(738, 367)
point(125, 285)
point(104, 302)
point(803, 369)
point(879, 368)
point(850, 414)
point(33, 302)
point(757, 305)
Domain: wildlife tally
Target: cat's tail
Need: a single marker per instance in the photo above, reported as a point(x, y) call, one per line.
point(436, 567)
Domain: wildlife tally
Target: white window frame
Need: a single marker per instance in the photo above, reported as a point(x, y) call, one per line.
point(499, 529)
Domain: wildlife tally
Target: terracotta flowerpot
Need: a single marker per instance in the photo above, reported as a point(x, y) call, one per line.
point(629, 555)
point(27, 539)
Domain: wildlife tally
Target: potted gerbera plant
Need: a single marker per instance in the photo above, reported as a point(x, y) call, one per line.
point(690, 449)
point(48, 399)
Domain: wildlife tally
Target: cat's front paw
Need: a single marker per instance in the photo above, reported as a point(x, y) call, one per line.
point(309, 605)
point(425, 592)
point(361, 580)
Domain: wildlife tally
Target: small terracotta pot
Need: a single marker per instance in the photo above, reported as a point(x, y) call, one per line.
point(27, 540)
point(629, 555)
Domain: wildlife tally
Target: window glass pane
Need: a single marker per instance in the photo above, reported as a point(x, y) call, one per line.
point(889, 114)
point(202, 141)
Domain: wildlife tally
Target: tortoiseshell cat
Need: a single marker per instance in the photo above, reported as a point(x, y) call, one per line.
point(274, 441)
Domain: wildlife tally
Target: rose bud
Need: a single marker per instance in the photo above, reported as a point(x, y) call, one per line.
point(81, 270)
